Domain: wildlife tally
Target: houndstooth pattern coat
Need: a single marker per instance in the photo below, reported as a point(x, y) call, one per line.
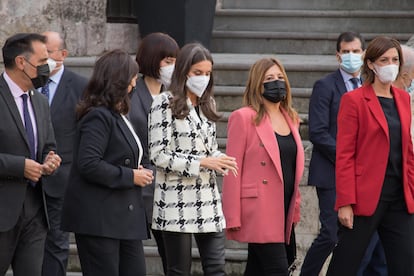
point(186, 197)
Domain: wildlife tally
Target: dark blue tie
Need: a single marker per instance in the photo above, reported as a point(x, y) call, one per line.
point(45, 89)
point(355, 83)
point(29, 127)
point(29, 131)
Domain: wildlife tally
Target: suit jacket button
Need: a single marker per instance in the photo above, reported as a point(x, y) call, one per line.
point(130, 207)
point(264, 181)
point(263, 163)
point(261, 144)
point(127, 162)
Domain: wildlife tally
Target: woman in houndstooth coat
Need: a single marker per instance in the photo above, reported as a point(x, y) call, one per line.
point(183, 146)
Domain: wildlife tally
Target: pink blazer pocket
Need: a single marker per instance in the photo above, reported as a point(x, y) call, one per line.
point(249, 192)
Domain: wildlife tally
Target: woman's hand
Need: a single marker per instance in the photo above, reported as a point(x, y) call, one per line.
point(346, 216)
point(143, 176)
point(222, 164)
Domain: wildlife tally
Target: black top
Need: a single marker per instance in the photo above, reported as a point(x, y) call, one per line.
point(392, 187)
point(288, 150)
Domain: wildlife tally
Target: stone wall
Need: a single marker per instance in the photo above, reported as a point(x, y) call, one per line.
point(81, 22)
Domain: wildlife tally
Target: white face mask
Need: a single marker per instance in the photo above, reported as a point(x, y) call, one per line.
point(410, 89)
point(198, 84)
point(52, 64)
point(165, 74)
point(387, 73)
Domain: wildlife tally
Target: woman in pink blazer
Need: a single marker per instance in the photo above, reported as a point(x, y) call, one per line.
point(261, 203)
point(374, 166)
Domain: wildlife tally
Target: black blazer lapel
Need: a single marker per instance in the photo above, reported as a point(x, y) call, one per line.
point(59, 97)
point(144, 96)
point(126, 132)
point(340, 83)
point(11, 105)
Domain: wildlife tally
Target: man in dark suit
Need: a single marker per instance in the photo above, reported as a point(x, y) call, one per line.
point(63, 90)
point(27, 152)
point(323, 110)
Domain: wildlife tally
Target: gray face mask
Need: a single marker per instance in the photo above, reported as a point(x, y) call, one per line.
point(274, 91)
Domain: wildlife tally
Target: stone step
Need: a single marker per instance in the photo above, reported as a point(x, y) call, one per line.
point(384, 5)
point(302, 70)
point(232, 69)
point(304, 43)
point(369, 21)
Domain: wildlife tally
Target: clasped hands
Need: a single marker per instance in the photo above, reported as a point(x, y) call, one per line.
point(143, 176)
point(34, 170)
point(221, 164)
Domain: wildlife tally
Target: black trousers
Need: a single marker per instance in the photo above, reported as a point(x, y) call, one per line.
point(57, 241)
point(327, 238)
point(161, 248)
point(23, 245)
point(396, 231)
point(266, 259)
point(110, 257)
point(178, 252)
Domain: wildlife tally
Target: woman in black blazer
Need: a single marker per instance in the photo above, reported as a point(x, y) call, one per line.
point(156, 58)
point(103, 204)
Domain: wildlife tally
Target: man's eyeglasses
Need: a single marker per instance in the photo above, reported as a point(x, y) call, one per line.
point(53, 51)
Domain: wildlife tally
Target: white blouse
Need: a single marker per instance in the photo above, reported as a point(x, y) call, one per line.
point(128, 123)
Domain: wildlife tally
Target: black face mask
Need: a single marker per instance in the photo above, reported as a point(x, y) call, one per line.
point(42, 75)
point(274, 91)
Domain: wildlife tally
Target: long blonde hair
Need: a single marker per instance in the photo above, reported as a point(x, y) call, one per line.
point(254, 89)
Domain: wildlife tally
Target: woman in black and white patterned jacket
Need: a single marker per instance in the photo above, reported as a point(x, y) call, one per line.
point(183, 146)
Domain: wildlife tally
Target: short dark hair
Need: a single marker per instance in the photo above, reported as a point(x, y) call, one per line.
point(108, 85)
point(154, 48)
point(348, 37)
point(19, 44)
point(376, 48)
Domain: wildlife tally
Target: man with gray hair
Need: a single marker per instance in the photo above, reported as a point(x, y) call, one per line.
point(405, 79)
point(63, 91)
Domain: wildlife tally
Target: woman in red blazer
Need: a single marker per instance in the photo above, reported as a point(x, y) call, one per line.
point(374, 166)
point(261, 203)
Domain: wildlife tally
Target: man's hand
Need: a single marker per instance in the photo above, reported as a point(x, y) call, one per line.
point(51, 163)
point(32, 170)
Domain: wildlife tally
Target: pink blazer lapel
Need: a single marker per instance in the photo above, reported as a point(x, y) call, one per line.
point(268, 138)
